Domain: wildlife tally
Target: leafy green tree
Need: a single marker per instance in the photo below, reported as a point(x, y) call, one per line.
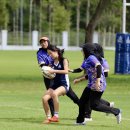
point(128, 17)
point(3, 15)
point(14, 14)
point(90, 28)
point(60, 19)
point(112, 17)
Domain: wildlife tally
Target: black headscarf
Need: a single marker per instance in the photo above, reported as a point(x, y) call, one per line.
point(89, 49)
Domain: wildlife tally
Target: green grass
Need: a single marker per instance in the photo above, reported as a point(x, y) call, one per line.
point(21, 89)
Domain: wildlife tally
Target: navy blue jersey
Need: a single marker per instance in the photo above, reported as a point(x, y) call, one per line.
point(43, 57)
point(60, 79)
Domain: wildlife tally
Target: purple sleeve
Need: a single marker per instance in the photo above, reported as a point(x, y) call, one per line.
point(83, 64)
point(105, 65)
point(40, 59)
point(93, 60)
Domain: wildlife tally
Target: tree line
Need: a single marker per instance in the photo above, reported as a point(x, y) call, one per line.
point(59, 15)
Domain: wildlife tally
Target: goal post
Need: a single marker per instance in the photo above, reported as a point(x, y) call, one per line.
point(125, 4)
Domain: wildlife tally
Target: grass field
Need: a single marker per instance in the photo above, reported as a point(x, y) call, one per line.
point(21, 89)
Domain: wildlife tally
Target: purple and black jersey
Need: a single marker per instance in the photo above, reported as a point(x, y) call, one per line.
point(43, 57)
point(89, 65)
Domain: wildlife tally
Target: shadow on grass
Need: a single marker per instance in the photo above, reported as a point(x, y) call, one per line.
point(63, 122)
point(38, 121)
point(73, 124)
point(30, 120)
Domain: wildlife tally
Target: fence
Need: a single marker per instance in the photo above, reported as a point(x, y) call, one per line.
point(67, 40)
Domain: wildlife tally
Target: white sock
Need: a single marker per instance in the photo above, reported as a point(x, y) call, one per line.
point(48, 116)
point(56, 114)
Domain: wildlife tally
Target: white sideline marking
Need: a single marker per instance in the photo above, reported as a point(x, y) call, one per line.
point(29, 108)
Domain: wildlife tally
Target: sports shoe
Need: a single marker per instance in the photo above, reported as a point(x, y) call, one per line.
point(88, 119)
point(46, 121)
point(111, 105)
point(54, 119)
point(80, 123)
point(118, 117)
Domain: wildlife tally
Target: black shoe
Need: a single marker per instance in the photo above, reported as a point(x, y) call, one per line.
point(80, 121)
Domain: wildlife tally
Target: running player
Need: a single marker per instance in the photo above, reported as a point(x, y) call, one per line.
point(60, 82)
point(45, 60)
point(91, 95)
point(99, 51)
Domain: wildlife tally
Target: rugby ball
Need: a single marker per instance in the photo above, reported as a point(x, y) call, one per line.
point(46, 73)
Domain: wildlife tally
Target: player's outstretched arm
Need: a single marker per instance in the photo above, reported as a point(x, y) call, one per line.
point(78, 70)
point(77, 80)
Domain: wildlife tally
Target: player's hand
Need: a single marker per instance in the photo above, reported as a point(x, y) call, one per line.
point(70, 70)
point(98, 85)
point(76, 81)
point(51, 71)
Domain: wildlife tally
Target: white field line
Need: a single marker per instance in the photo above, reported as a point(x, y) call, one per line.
point(27, 108)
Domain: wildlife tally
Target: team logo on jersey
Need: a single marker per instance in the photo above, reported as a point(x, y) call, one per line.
point(59, 66)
